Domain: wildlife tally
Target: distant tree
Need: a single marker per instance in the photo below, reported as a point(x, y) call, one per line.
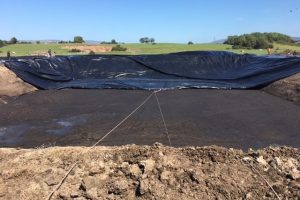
point(13, 40)
point(78, 39)
point(145, 40)
point(190, 43)
point(1, 43)
point(113, 41)
point(152, 40)
point(142, 40)
point(257, 40)
point(38, 42)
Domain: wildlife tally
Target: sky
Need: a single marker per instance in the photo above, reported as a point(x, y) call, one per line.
point(169, 21)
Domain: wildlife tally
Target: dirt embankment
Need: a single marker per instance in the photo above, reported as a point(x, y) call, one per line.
point(288, 88)
point(11, 85)
point(150, 172)
point(88, 48)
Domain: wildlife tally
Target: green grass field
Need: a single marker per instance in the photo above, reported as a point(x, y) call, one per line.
point(134, 49)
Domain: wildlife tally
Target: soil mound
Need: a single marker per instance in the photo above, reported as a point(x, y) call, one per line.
point(11, 85)
point(150, 172)
point(288, 88)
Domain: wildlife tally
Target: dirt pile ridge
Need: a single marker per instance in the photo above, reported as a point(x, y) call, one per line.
point(11, 85)
point(288, 88)
point(150, 172)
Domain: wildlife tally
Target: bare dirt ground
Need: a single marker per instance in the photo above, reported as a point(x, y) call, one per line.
point(288, 88)
point(88, 48)
point(11, 85)
point(150, 172)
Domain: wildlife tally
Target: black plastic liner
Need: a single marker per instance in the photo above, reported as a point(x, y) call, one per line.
point(199, 69)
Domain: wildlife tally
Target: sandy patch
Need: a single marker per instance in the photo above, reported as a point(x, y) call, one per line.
point(88, 48)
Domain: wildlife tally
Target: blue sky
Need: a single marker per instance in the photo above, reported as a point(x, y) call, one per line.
point(128, 20)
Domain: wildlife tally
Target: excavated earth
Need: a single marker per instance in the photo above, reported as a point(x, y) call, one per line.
point(288, 88)
point(11, 85)
point(150, 172)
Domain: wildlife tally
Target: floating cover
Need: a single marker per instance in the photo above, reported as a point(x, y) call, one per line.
point(201, 69)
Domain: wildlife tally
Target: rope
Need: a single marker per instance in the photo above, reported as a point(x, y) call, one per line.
point(121, 122)
point(162, 117)
point(62, 180)
point(255, 170)
point(114, 128)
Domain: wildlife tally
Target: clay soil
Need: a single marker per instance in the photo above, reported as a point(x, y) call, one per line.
point(150, 172)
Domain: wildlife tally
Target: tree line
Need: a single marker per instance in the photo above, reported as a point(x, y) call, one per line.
point(13, 40)
point(147, 40)
point(257, 40)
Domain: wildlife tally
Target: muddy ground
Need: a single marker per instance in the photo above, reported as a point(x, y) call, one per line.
point(229, 118)
point(150, 172)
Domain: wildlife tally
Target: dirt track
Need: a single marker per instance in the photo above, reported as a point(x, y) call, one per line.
point(150, 172)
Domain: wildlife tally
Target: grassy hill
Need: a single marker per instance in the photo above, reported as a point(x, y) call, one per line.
point(134, 49)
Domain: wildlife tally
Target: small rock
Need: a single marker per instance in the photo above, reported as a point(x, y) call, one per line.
point(262, 161)
point(279, 188)
point(92, 193)
point(295, 184)
point(135, 171)
point(96, 170)
point(3, 191)
point(52, 180)
point(293, 174)
point(196, 176)
point(117, 187)
point(111, 197)
point(212, 157)
point(148, 165)
point(74, 194)
point(144, 187)
point(63, 195)
point(247, 159)
point(248, 195)
point(165, 175)
point(89, 182)
point(158, 144)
